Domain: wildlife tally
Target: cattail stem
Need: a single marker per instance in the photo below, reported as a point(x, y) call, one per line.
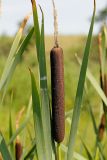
point(0, 8)
point(58, 152)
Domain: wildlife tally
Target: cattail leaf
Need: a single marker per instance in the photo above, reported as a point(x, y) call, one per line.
point(15, 61)
point(45, 110)
point(11, 133)
point(36, 26)
point(43, 82)
point(42, 59)
point(38, 125)
point(23, 125)
point(31, 152)
point(99, 155)
point(3, 148)
point(101, 150)
point(79, 94)
point(89, 155)
point(93, 119)
point(94, 83)
point(12, 53)
point(76, 155)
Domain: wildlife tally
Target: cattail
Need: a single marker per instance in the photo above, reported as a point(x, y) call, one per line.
point(1, 157)
point(57, 85)
point(18, 145)
point(18, 150)
point(105, 84)
point(102, 127)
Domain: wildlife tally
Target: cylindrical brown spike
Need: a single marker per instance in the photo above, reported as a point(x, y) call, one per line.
point(102, 127)
point(105, 84)
point(57, 87)
point(1, 157)
point(101, 81)
point(18, 150)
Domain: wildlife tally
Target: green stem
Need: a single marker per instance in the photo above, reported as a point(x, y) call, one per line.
point(58, 152)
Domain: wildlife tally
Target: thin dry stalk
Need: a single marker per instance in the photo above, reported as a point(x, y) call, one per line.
point(55, 24)
point(0, 8)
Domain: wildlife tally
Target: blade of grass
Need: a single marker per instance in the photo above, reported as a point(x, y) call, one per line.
point(79, 94)
point(11, 133)
point(94, 83)
point(90, 157)
point(76, 155)
point(36, 26)
point(44, 94)
point(30, 152)
point(3, 149)
point(15, 60)
point(13, 52)
point(40, 46)
point(39, 136)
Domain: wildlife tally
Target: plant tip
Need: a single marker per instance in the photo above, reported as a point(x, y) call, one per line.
point(94, 4)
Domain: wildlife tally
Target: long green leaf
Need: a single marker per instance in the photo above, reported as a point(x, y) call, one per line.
point(12, 52)
point(30, 152)
point(79, 94)
point(15, 60)
point(39, 136)
point(76, 155)
point(36, 26)
point(3, 149)
point(40, 46)
point(11, 133)
point(44, 95)
point(90, 157)
point(94, 83)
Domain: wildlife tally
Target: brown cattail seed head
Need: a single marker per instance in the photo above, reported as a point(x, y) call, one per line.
point(101, 81)
point(102, 127)
point(57, 87)
point(1, 157)
point(105, 84)
point(18, 150)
